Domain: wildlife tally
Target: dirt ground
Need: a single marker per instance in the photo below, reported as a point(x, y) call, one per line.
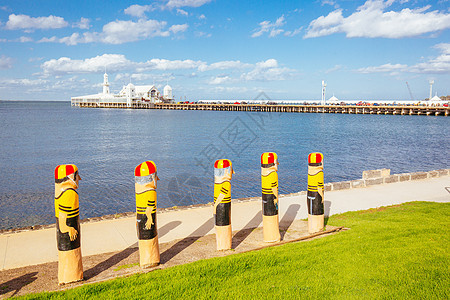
point(101, 267)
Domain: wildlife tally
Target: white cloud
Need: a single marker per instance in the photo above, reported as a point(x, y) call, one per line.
point(82, 24)
point(27, 22)
point(293, 32)
point(268, 71)
point(223, 65)
point(370, 20)
point(334, 69)
point(436, 65)
point(119, 32)
point(138, 10)
point(219, 80)
point(25, 39)
point(5, 62)
point(202, 17)
point(186, 3)
point(272, 28)
point(8, 83)
point(165, 64)
point(182, 12)
point(65, 65)
point(178, 28)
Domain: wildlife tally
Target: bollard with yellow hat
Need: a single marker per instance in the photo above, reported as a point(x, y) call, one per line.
point(146, 178)
point(315, 194)
point(223, 171)
point(67, 211)
point(269, 184)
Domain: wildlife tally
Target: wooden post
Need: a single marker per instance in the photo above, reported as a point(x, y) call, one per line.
point(146, 178)
point(223, 171)
point(315, 195)
point(269, 185)
point(67, 211)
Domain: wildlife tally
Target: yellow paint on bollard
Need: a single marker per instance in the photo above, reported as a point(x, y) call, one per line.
point(145, 186)
point(223, 171)
point(315, 194)
point(68, 236)
point(269, 186)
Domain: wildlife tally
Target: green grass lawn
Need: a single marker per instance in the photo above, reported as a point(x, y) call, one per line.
point(393, 252)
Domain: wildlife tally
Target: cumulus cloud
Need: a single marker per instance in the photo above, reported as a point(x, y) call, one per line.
point(5, 62)
point(65, 65)
point(27, 22)
point(223, 65)
point(8, 83)
point(220, 80)
point(25, 39)
point(165, 64)
point(268, 71)
point(272, 28)
point(372, 21)
point(437, 65)
point(138, 10)
point(119, 32)
point(186, 3)
point(182, 12)
point(178, 28)
point(82, 24)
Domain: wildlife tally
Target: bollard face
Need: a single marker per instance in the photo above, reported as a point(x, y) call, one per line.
point(146, 181)
point(269, 189)
point(67, 213)
point(315, 192)
point(223, 172)
point(269, 183)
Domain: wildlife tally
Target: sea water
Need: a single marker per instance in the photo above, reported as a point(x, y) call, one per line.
point(107, 144)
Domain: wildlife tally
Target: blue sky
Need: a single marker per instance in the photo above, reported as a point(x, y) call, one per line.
point(214, 49)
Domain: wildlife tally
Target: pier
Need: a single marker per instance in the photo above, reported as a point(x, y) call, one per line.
point(335, 109)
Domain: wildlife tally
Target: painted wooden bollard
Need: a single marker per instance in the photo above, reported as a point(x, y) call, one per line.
point(315, 195)
point(223, 171)
point(68, 236)
point(269, 184)
point(145, 186)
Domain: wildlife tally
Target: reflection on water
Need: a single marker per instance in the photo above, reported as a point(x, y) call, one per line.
point(107, 144)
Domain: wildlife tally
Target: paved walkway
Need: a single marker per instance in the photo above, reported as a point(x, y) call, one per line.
point(118, 234)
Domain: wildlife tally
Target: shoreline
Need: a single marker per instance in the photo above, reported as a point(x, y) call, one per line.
point(369, 178)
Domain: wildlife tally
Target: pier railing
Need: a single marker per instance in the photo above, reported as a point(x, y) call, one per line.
point(336, 109)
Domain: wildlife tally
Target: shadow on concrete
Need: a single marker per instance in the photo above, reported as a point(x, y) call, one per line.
point(242, 234)
point(168, 227)
point(288, 218)
point(186, 242)
point(116, 258)
point(326, 209)
point(17, 284)
point(113, 260)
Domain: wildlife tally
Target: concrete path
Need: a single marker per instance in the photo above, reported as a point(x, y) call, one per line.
point(118, 234)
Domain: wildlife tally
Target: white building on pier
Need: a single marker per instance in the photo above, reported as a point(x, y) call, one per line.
point(128, 95)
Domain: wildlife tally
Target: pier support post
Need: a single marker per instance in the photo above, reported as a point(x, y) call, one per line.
point(146, 178)
point(269, 185)
point(223, 171)
point(315, 194)
point(68, 236)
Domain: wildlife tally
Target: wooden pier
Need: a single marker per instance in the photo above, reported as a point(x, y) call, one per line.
point(334, 109)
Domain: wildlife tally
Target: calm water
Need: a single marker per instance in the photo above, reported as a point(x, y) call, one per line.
point(107, 144)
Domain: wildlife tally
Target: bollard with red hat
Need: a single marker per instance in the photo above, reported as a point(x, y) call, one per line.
point(315, 194)
point(146, 178)
point(269, 185)
point(67, 211)
point(223, 171)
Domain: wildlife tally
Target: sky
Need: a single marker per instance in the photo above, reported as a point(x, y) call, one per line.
point(216, 49)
